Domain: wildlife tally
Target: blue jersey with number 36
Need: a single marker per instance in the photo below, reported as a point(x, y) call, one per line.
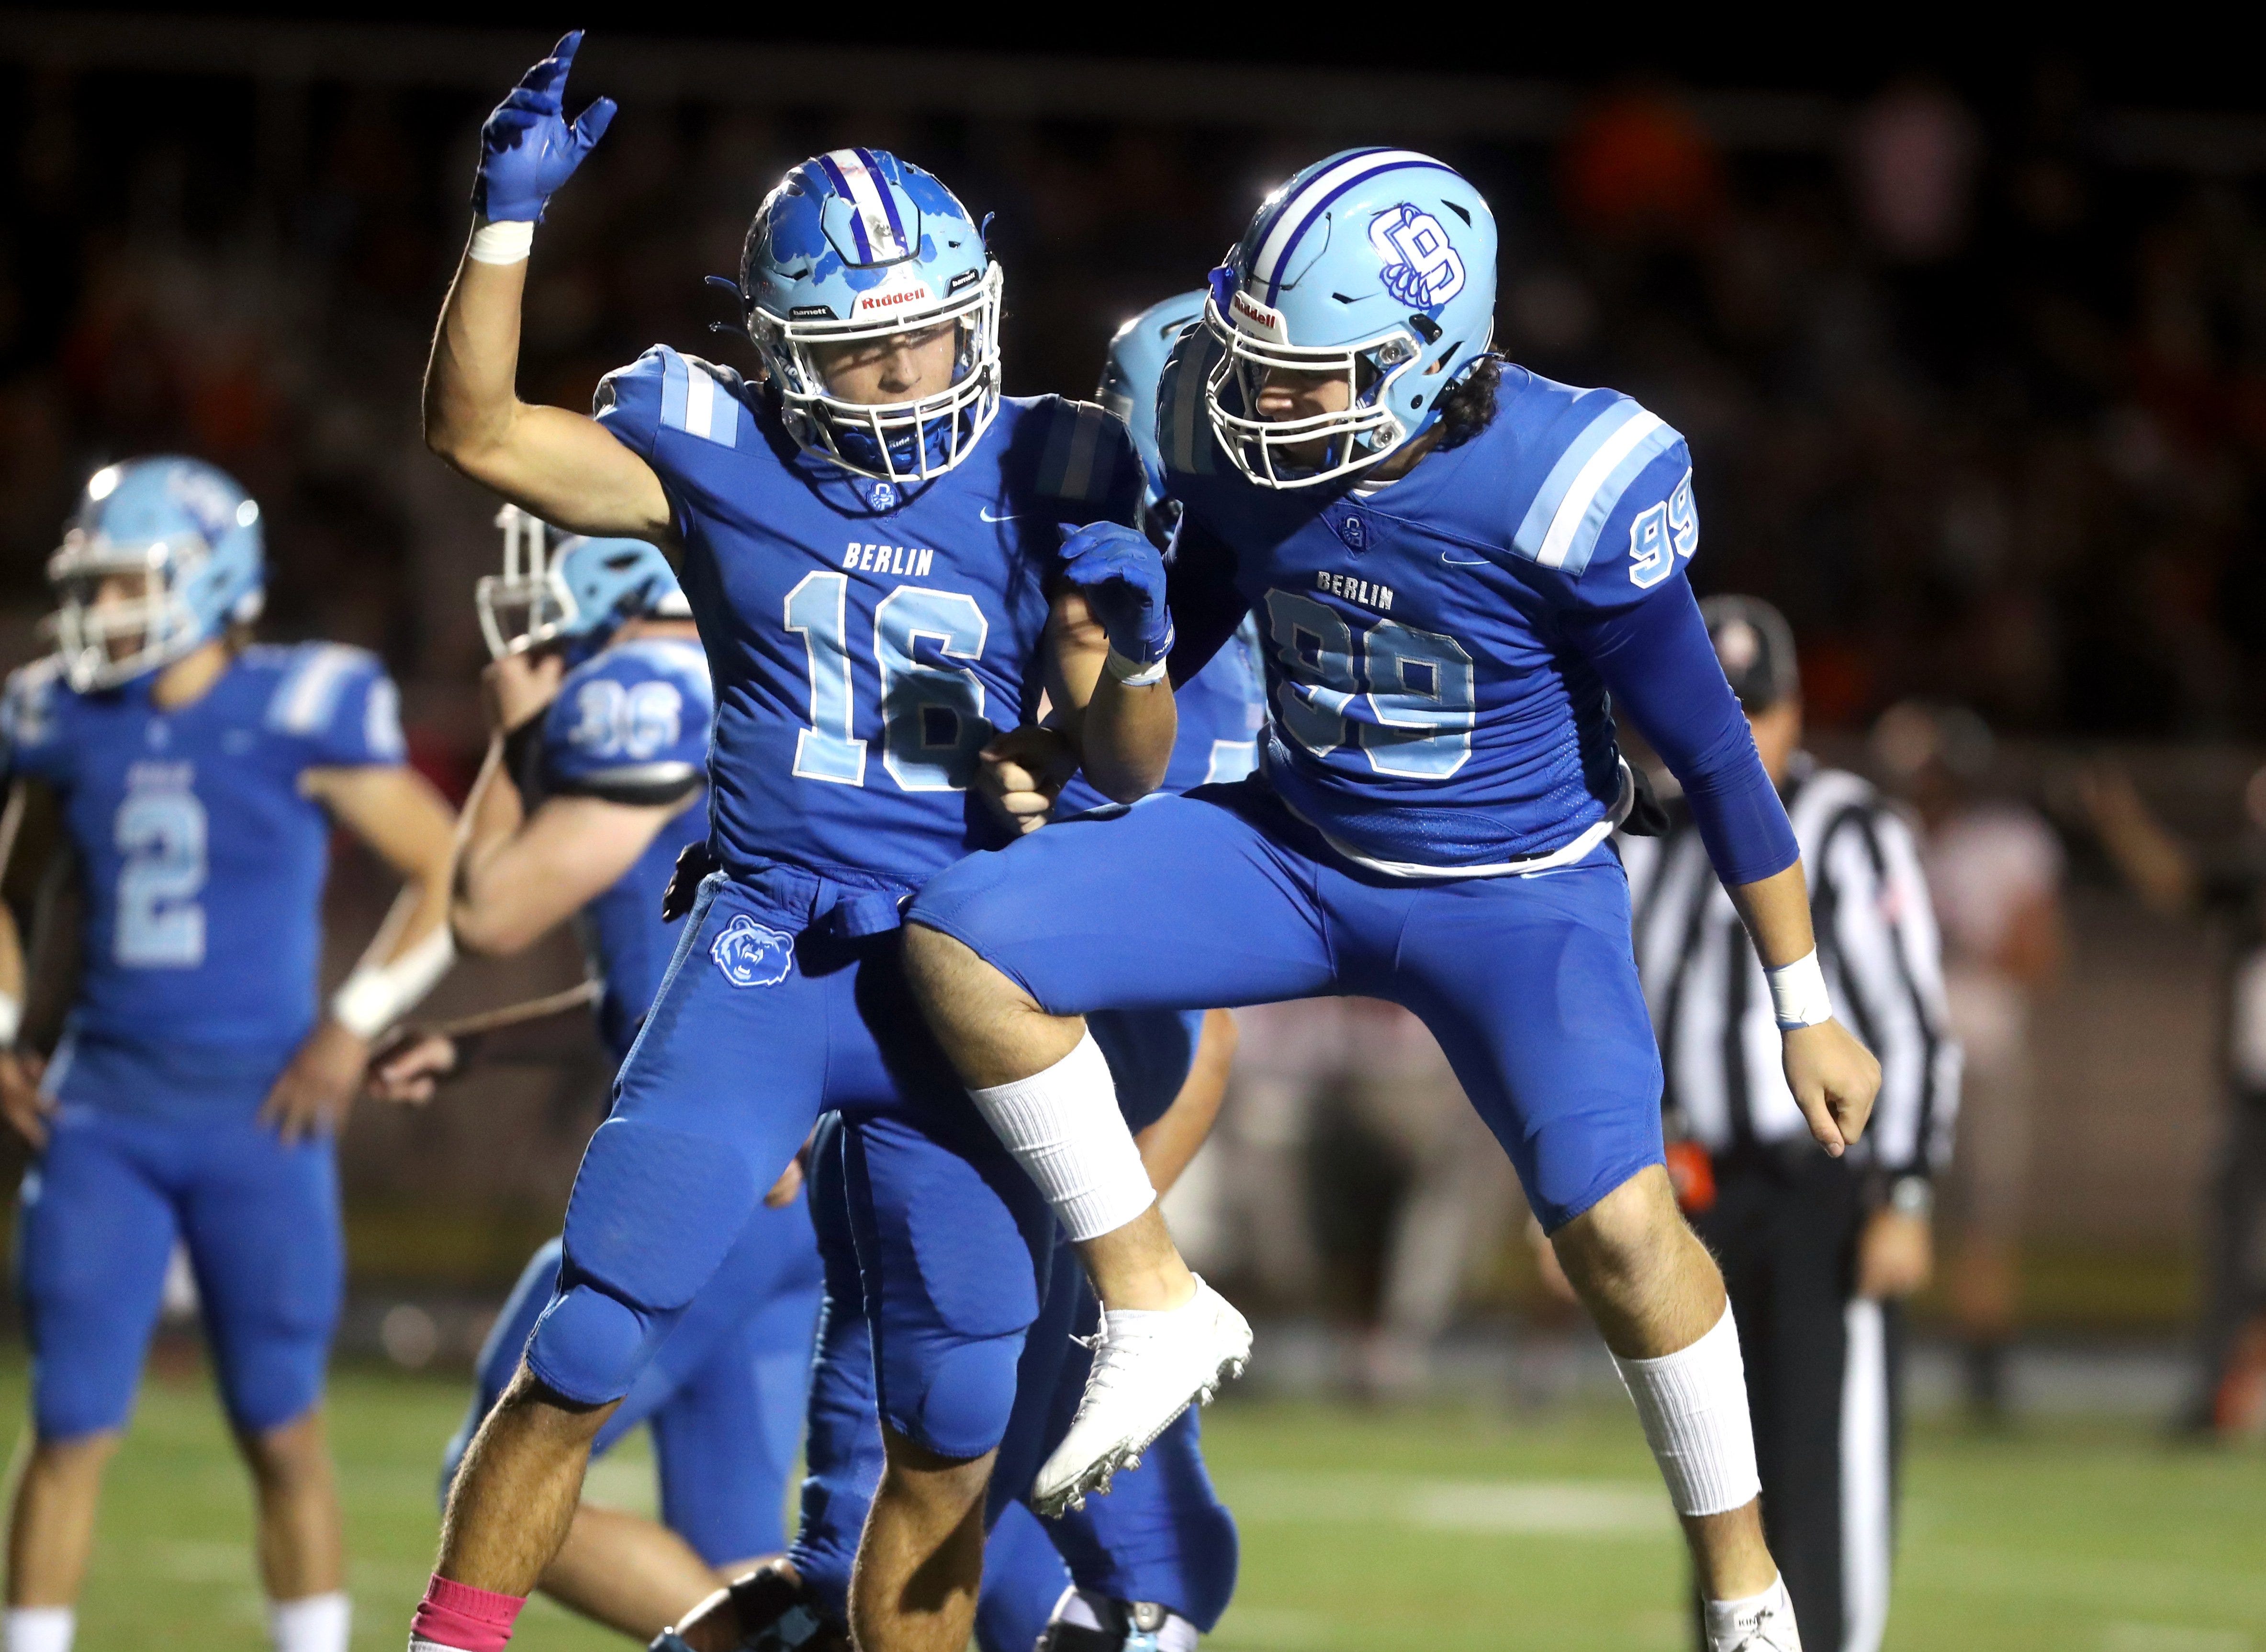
point(1430, 709)
point(629, 725)
point(201, 859)
point(864, 639)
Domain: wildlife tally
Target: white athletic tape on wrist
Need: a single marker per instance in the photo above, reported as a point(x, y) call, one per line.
point(1798, 993)
point(376, 996)
point(1131, 673)
point(508, 242)
point(11, 1018)
point(1694, 1405)
point(1062, 1126)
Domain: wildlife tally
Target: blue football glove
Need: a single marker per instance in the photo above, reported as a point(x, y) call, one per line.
point(1122, 579)
point(526, 149)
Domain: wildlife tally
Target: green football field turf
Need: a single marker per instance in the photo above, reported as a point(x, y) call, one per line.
point(1436, 1530)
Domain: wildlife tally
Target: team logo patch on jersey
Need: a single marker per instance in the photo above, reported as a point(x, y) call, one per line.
point(753, 955)
point(882, 495)
point(1353, 530)
point(1422, 269)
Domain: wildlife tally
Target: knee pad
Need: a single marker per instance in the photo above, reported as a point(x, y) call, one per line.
point(956, 1402)
point(589, 1346)
point(654, 1210)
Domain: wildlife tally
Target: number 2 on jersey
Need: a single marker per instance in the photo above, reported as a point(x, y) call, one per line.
point(932, 721)
point(161, 833)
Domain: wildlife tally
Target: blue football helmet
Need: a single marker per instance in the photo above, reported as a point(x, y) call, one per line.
point(1378, 266)
point(855, 245)
point(161, 555)
point(1135, 364)
point(578, 592)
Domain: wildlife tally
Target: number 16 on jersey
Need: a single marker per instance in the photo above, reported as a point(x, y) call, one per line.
point(932, 722)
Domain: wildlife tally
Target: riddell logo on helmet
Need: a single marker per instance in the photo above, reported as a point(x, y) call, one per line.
point(868, 303)
point(1252, 316)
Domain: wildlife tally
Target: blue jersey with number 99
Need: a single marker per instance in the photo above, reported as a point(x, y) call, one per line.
point(866, 638)
point(1432, 706)
point(201, 858)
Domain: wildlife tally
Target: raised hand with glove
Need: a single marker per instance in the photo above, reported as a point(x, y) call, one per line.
point(528, 149)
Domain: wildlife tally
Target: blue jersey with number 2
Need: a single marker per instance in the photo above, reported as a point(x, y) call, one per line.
point(201, 856)
point(864, 639)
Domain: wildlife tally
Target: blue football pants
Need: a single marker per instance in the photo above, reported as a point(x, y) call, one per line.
point(1529, 983)
point(101, 1208)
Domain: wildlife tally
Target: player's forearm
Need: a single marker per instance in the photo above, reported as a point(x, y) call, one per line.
point(492, 816)
point(1126, 738)
point(1776, 912)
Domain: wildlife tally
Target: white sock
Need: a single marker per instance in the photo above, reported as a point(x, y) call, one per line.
point(1063, 1128)
point(1729, 1621)
point(313, 1623)
point(39, 1628)
point(1694, 1405)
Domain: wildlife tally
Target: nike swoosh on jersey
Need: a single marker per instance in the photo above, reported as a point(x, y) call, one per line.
point(1457, 562)
point(1012, 515)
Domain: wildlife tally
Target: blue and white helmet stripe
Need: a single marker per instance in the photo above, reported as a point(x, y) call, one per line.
point(880, 232)
point(1303, 205)
point(1377, 263)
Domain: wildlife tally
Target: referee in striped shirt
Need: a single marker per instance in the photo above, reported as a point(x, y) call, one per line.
point(1815, 1251)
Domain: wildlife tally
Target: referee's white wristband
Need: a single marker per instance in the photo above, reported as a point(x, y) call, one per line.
point(1132, 673)
point(11, 1018)
point(1798, 993)
point(506, 241)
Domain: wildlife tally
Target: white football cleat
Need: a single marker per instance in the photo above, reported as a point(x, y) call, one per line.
point(1148, 1368)
point(1767, 1626)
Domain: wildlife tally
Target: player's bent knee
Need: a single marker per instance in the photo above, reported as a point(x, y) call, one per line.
point(958, 1405)
point(587, 1349)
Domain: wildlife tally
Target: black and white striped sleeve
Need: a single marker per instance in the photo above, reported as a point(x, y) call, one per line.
point(1887, 979)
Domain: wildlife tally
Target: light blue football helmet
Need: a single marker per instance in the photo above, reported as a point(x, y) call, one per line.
point(1130, 373)
point(1376, 265)
point(161, 555)
point(855, 246)
point(579, 591)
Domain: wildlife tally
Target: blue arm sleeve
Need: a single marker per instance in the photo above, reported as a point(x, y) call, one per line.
point(1655, 657)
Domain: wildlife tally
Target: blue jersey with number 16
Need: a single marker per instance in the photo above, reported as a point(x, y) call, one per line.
point(200, 855)
point(865, 636)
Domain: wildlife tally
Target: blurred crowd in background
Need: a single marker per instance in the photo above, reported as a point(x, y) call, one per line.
point(1977, 396)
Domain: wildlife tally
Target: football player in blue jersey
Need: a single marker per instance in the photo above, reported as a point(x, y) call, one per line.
point(592, 786)
point(884, 556)
point(1453, 563)
point(197, 1089)
point(1153, 1566)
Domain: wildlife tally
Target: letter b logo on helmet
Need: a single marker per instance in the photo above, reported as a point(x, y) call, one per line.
point(752, 955)
point(1420, 266)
